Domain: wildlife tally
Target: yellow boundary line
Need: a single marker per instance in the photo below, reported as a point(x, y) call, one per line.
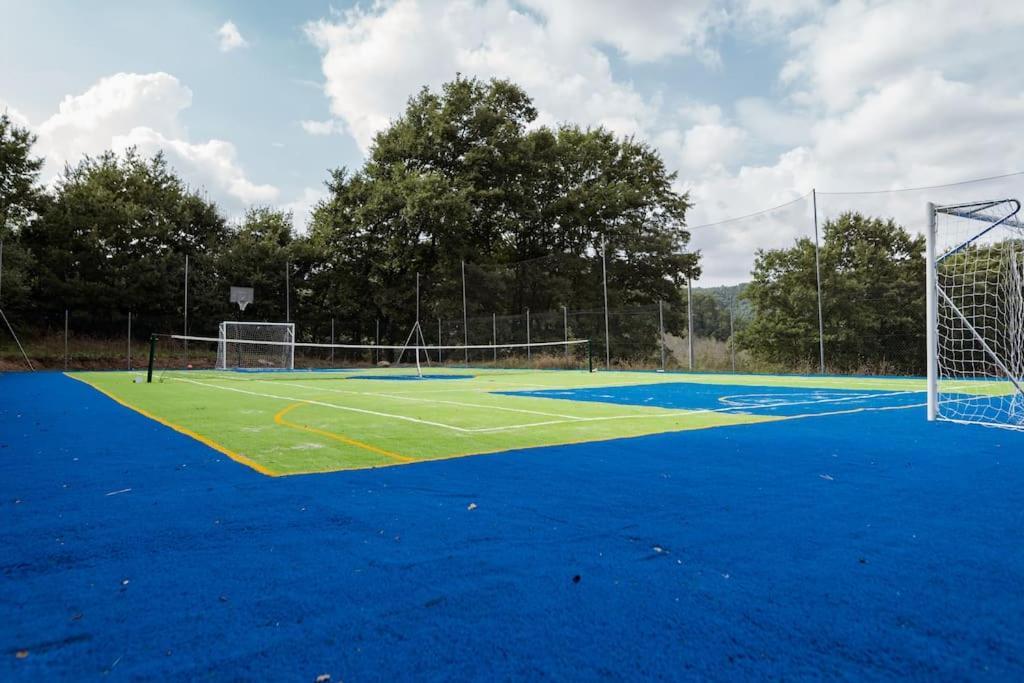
point(279, 419)
point(237, 457)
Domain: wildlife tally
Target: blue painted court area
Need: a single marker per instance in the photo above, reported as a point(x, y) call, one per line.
point(860, 546)
point(730, 398)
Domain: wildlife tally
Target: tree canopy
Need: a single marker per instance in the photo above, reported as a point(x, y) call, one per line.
point(464, 175)
point(872, 281)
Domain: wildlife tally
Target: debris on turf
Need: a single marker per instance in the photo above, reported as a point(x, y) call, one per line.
point(471, 506)
point(323, 678)
point(21, 654)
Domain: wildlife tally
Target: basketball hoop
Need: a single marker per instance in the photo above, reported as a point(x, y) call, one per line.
point(243, 296)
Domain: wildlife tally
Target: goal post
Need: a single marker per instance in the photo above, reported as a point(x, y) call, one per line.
point(975, 313)
point(239, 346)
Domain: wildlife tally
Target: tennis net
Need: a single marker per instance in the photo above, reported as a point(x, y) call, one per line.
point(241, 359)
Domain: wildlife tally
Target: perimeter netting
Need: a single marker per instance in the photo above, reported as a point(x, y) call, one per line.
point(176, 354)
point(979, 311)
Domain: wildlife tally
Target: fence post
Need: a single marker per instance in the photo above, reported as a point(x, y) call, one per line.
point(689, 322)
point(465, 315)
point(732, 340)
point(565, 327)
point(494, 334)
point(129, 340)
point(332, 341)
point(438, 341)
point(185, 330)
point(661, 334)
point(529, 355)
point(66, 339)
point(604, 286)
point(817, 277)
point(377, 339)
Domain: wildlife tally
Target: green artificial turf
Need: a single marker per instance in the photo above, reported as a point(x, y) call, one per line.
point(294, 423)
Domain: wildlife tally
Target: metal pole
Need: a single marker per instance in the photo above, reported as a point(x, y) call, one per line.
point(661, 334)
point(528, 354)
point(10, 328)
point(332, 341)
point(565, 327)
point(287, 292)
point(689, 323)
point(732, 338)
point(1, 270)
point(65, 339)
point(465, 317)
point(817, 276)
point(417, 298)
point(186, 310)
point(932, 317)
point(185, 331)
point(377, 339)
point(604, 285)
point(494, 334)
point(439, 341)
point(129, 340)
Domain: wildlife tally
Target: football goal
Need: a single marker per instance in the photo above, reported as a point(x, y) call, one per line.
point(264, 346)
point(975, 313)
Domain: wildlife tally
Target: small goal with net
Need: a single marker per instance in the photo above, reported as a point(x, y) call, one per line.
point(256, 346)
point(975, 313)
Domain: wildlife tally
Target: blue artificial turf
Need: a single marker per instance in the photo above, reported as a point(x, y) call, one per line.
point(736, 399)
point(863, 546)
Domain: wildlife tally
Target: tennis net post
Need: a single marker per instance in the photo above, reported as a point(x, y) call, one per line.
point(152, 358)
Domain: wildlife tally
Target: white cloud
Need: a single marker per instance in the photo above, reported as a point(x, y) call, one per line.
point(857, 46)
point(14, 115)
point(870, 93)
point(230, 38)
point(144, 110)
point(641, 30)
point(328, 127)
point(212, 163)
point(413, 43)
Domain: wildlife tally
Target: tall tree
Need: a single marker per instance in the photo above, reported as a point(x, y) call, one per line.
point(465, 175)
point(872, 280)
point(114, 239)
point(21, 199)
point(256, 255)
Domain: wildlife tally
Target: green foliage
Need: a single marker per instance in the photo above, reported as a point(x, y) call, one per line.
point(872, 278)
point(256, 255)
point(463, 176)
point(20, 201)
point(113, 239)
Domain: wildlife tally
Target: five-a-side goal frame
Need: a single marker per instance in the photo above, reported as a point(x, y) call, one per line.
point(978, 319)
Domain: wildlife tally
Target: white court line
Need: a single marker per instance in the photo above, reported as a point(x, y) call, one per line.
point(432, 400)
point(326, 405)
point(676, 413)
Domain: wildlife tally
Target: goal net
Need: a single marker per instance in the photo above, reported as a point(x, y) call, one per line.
point(262, 346)
point(976, 313)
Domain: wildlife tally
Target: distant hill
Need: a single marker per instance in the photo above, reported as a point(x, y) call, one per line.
point(729, 295)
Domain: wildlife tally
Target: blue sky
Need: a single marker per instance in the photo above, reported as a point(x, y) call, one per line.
point(753, 102)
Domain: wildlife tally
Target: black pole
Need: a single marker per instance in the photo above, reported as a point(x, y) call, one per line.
point(152, 357)
point(590, 357)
